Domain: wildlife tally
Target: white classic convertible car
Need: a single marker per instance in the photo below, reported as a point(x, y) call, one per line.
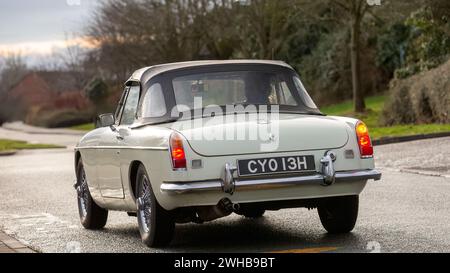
point(197, 141)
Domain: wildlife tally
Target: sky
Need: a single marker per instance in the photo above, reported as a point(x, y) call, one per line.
point(38, 28)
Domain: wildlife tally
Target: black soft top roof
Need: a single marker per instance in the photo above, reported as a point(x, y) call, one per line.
point(145, 74)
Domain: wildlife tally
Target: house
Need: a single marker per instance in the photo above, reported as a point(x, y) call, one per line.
point(46, 91)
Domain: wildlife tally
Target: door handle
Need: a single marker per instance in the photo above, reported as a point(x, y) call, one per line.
point(121, 138)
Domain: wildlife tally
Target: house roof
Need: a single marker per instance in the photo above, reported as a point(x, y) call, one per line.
point(57, 81)
point(62, 81)
point(142, 75)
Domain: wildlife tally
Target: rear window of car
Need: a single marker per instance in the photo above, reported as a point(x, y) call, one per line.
point(201, 90)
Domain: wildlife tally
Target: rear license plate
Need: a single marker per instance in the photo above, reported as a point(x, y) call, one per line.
point(276, 165)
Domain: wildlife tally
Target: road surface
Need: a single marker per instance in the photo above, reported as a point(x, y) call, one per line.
point(408, 211)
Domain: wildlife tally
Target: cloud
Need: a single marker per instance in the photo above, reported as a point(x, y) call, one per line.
point(41, 29)
point(44, 47)
point(43, 20)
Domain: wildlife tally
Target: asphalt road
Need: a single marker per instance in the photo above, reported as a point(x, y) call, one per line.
point(408, 211)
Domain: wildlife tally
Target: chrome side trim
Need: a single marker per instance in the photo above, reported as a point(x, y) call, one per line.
point(122, 148)
point(268, 183)
point(181, 188)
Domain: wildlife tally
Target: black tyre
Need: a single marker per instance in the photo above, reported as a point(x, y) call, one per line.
point(253, 213)
point(156, 225)
point(338, 215)
point(91, 215)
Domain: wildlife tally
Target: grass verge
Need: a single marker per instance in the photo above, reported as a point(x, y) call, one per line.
point(375, 106)
point(13, 145)
point(84, 127)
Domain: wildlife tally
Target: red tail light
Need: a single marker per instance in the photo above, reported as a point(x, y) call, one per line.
point(364, 141)
point(177, 152)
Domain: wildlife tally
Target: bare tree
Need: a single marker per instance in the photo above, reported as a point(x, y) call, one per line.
point(75, 61)
point(355, 11)
point(133, 34)
point(441, 13)
point(266, 25)
point(14, 68)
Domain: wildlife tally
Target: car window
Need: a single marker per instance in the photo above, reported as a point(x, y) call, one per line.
point(240, 87)
point(130, 107)
point(154, 104)
point(119, 108)
point(212, 88)
point(307, 100)
point(280, 93)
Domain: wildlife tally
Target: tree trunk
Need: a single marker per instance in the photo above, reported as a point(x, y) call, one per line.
point(358, 96)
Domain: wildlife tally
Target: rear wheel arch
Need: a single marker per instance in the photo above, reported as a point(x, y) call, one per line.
point(134, 167)
point(77, 159)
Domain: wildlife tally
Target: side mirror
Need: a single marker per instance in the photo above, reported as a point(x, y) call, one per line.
point(105, 120)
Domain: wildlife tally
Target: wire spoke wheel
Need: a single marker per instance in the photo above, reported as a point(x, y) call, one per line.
point(83, 193)
point(145, 205)
point(156, 225)
point(91, 215)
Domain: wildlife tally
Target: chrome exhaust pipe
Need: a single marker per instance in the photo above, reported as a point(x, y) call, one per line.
point(230, 206)
point(224, 208)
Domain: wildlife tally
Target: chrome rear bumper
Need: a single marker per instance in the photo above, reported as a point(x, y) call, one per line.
point(266, 183)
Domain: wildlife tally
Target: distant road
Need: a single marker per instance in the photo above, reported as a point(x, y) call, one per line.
point(23, 132)
point(407, 211)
